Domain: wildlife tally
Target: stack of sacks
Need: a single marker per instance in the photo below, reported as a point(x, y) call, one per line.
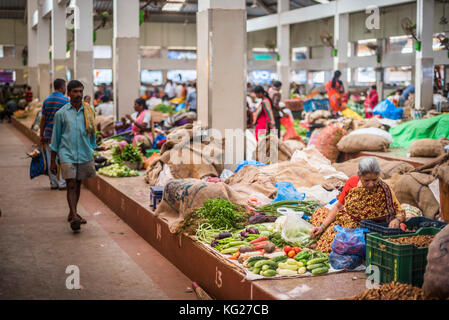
point(366, 139)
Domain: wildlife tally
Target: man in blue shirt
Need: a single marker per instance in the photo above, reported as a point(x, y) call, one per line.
point(406, 93)
point(50, 106)
point(73, 140)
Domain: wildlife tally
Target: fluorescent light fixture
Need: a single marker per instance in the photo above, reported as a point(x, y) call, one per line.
point(322, 1)
point(171, 6)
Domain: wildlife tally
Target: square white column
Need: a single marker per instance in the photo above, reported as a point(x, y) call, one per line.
point(283, 45)
point(341, 38)
point(83, 57)
point(126, 66)
point(58, 39)
point(32, 74)
point(43, 55)
point(424, 58)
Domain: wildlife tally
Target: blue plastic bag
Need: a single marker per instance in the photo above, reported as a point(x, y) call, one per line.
point(244, 163)
point(344, 261)
point(316, 104)
point(160, 137)
point(386, 109)
point(287, 191)
point(39, 165)
point(349, 241)
point(180, 107)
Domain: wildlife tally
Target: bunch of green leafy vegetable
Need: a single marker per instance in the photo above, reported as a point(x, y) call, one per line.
point(300, 129)
point(221, 213)
point(164, 108)
point(129, 154)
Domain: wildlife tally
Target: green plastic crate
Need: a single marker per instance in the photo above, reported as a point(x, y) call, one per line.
point(150, 152)
point(398, 262)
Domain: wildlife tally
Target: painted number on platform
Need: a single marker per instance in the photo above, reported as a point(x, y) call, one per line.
point(218, 280)
point(158, 232)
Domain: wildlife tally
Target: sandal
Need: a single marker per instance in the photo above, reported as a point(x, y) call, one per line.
point(83, 221)
point(75, 224)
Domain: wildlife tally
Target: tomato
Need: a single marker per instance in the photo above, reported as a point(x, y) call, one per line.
point(297, 250)
point(291, 254)
point(287, 249)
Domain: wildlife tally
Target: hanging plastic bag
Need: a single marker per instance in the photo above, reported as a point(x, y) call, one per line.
point(287, 191)
point(296, 230)
point(344, 261)
point(226, 174)
point(245, 163)
point(39, 164)
point(349, 241)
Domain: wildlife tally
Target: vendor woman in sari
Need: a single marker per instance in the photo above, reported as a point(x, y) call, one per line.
point(141, 125)
point(264, 118)
point(335, 89)
point(363, 197)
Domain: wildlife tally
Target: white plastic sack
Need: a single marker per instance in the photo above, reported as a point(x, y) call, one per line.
point(318, 193)
point(164, 176)
point(435, 188)
point(376, 131)
point(315, 159)
point(226, 174)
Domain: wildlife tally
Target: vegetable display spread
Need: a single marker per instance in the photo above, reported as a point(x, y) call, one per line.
point(419, 241)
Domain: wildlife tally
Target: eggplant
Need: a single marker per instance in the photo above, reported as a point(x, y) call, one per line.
point(224, 235)
point(271, 219)
point(257, 218)
point(253, 231)
point(214, 243)
point(244, 234)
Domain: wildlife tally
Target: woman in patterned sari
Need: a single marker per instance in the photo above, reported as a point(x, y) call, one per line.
point(264, 119)
point(364, 197)
point(335, 90)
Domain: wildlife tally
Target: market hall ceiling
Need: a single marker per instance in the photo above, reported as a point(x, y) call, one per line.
point(15, 9)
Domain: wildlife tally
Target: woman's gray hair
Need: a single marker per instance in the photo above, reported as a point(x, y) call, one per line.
point(368, 165)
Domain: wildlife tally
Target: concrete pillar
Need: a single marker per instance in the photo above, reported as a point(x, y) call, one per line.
point(221, 70)
point(20, 77)
point(380, 72)
point(424, 57)
point(126, 77)
point(43, 55)
point(83, 56)
point(283, 45)
point(341, 38)
point(31, 74)
point(58, 40)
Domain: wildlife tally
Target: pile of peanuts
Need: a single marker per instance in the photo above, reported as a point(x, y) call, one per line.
point(393, 291)
point(418, 241)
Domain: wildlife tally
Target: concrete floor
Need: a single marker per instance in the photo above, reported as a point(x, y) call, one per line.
point(37, 244)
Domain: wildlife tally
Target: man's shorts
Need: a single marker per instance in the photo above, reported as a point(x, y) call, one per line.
point(78, 171)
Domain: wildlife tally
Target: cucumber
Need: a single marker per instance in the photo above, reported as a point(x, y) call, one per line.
point(288, 266)
point(251, 264)
point(317, 260)
point(302, 270)
point(266, 267)
point(280, 259)
point(315, 266)
point(256, 270)
point(257, 258)
point(261, 263)
point(269, 273)
point(286, 272)
point(320, 270)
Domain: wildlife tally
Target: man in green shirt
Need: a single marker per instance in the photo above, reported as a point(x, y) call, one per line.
point(73, 140)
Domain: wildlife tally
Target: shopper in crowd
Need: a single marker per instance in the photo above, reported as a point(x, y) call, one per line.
point(264, 119)
point(184, 91)
point(437, 97)
point(147, 95)
point(141, 125)
point(169, 90)
point(9, 109)
point(406, 93)
point(28, 95)
point(106, 107)
point(97, 98)
point(6, 92)
point(178, 89)
point(73, 140)
point(191, 99)
point(275, 96)
point(87, 99)
point(372, 100)
point(335, 89)
point(50, 106)
point(363, 197)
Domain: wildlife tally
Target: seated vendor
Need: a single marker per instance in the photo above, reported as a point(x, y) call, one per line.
point(364, 197)
point(141, 125)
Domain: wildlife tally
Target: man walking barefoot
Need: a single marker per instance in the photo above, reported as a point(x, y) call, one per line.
point(73, 140)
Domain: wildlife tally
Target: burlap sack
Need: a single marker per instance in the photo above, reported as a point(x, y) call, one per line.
point(181, 196)
point(362, 142)
point(372, 123)
point(412, 188)
point(272, 150)
point(436, 277)
point(387, 168)
point(294, 145)
point(314, 116)
point(326, 143)
point(427, 147)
